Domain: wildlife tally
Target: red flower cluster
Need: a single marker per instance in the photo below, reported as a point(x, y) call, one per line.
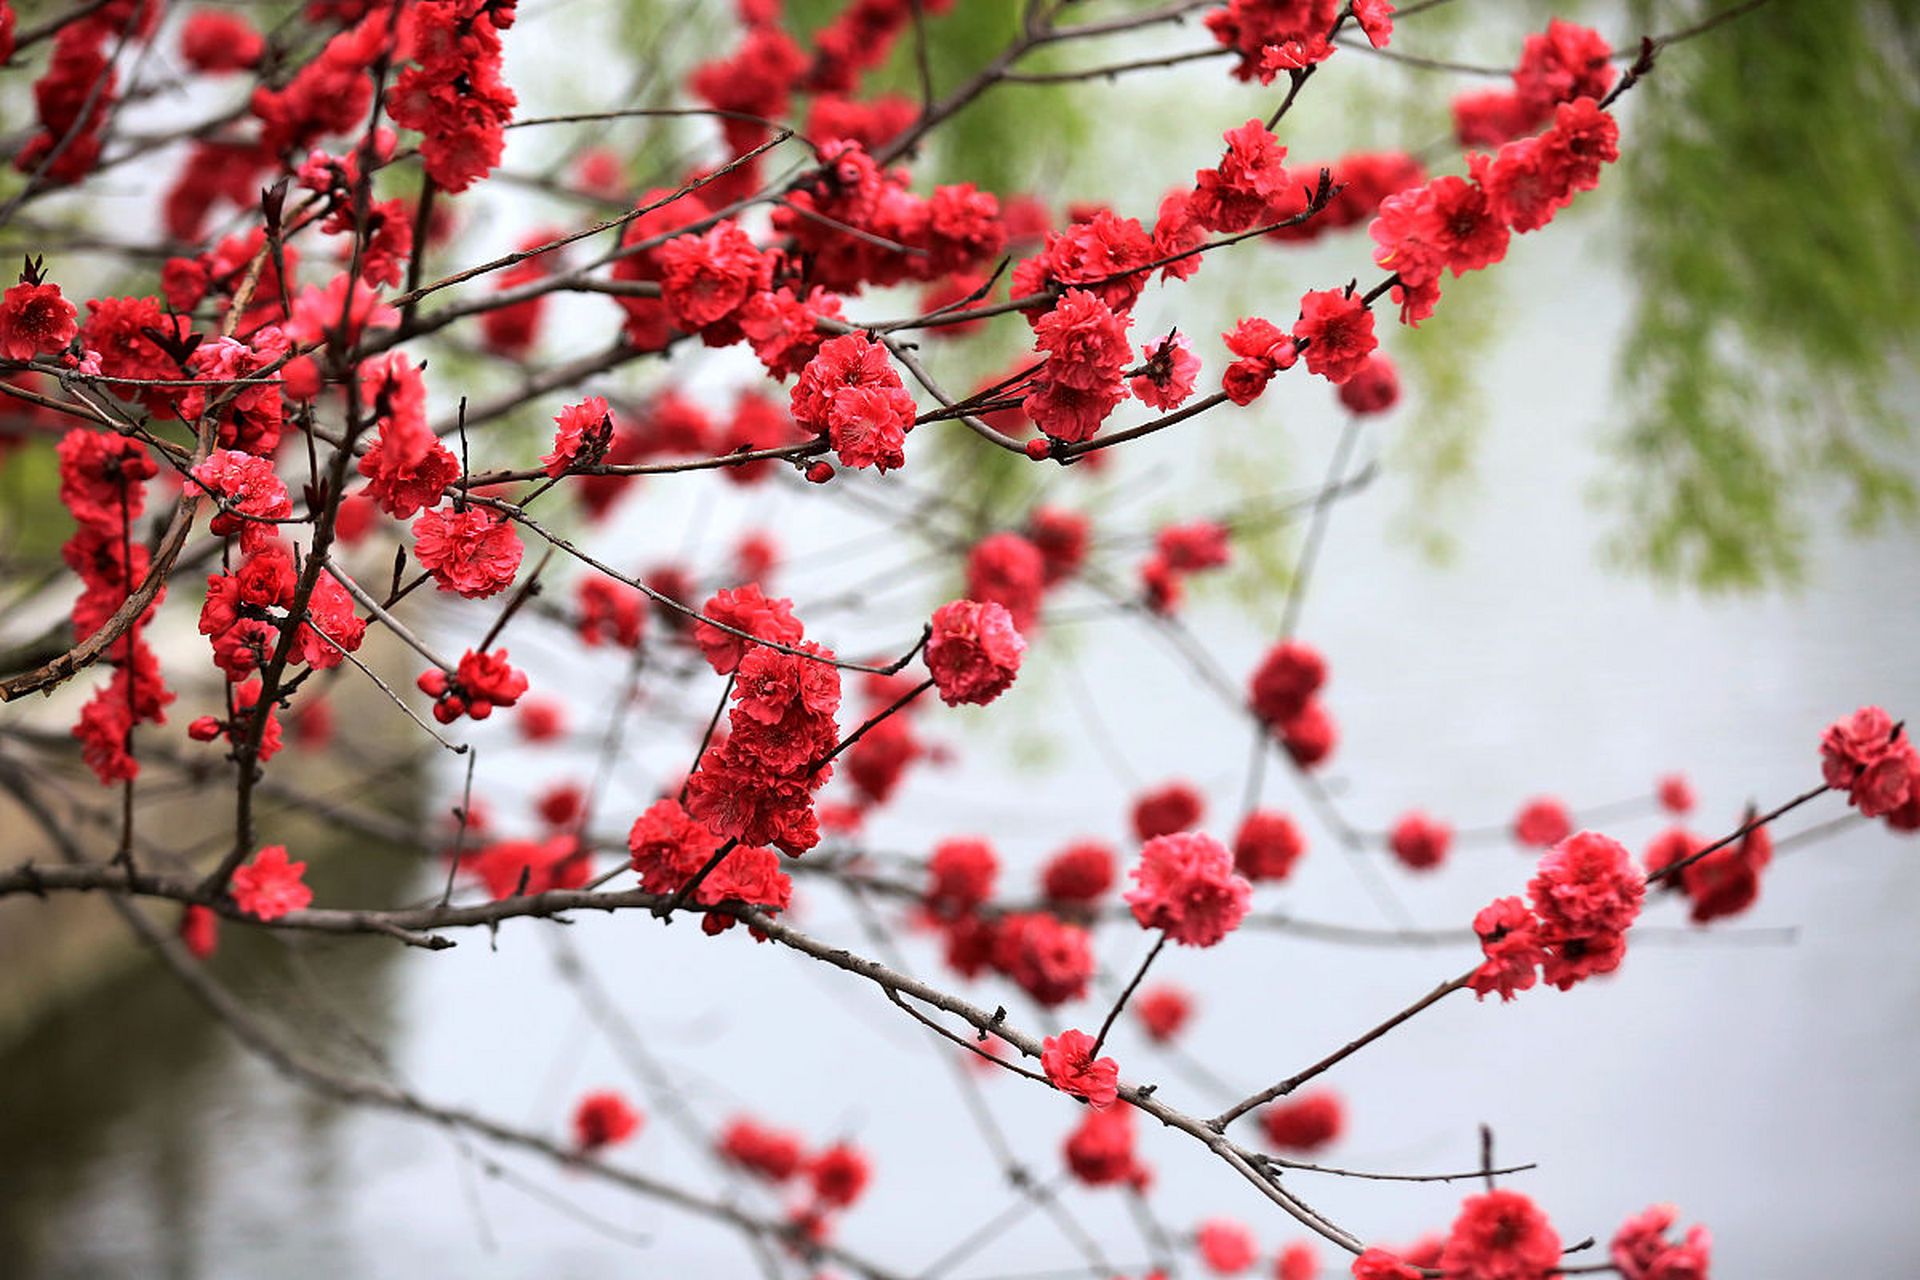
point(329, 95)
point(1564, 62)
point(609, 612)
point(879, 760)
point(1335, 333)
point(1723, 883)
point(454, 94)
point(860, 38)
point(1871, 758)
point(245, 697)
point(757, 785)
point(1086, 350)
point(961, 873)
point(1584, 896)
point(1235, 194)
point(1675, 793)
point(1462, 224)
point(744, 608)
point(1641, 1250)
point(602, 1120)
point(1179, 551)
point(103, 481)
point(1284, 694)
point(669, 847)
point(512, 867)
point(1008, 570)
point(1264, 349)
point(407, 468)
point(246, 609)
point(213, 42)
point(1297, 1261)
point(76, 95)
point(1374, 389)
point(1186, 886)
point(850, 394)
point(854, 224)
point(707, 277)
point(249, 494)
point(1249, 26)
point(1060, 536)
point(773, 1154)
point(1381, 1264)
point(481, 682)
point(836, 1176)
point(1101, 254)
point(973, 651)
point(1071, 1068)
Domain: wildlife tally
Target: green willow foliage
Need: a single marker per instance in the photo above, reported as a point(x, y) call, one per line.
point(1773, 205)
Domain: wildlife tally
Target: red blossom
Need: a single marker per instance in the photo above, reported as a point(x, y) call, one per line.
point(1071, 1068)
point(1267, 846)
point(1542, 822)
point(1163, 1011)
point(473, 553)
point(1049, 959)
point(1080, 873)
point(1226, 1246)
point(1177, 806)
point(973, 651)
point(1306, 1123)
point(1337, 329)
point(269, 886)
point(961, 874)
point(1185, 885)
point(35, 321)
point(1501, 1235)
point(603, 1120)
point(1510, 940)
point(1420, 842)
point(1099, 1151)
point(744, 608)
point(839, 1174)
point(1008, 570)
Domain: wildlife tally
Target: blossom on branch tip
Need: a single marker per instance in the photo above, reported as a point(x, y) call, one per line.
point(35, 320)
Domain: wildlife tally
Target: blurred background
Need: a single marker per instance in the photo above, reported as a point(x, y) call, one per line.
point(1645, 506)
